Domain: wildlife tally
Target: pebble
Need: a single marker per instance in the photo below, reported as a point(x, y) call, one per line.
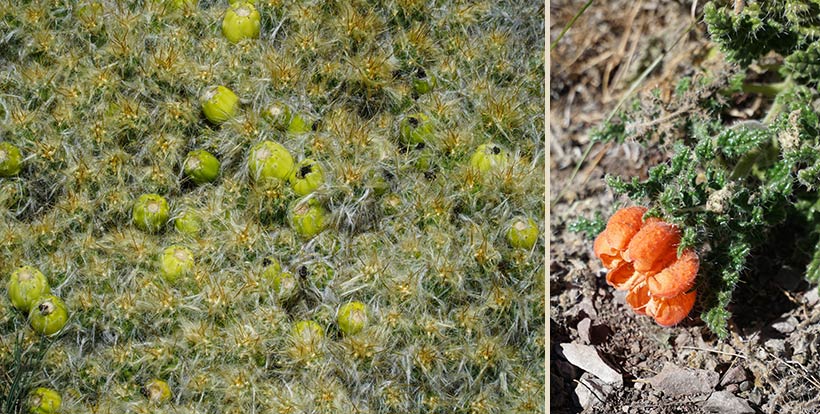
point(590, 391)
point(785, 326)
point(587, 358)
point(725, 402)
point(676, 381)
point(734, 375)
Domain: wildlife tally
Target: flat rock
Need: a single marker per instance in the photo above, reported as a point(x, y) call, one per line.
point(591, 391)
point(786, 325)
point(812, 297)
point(676, 381)
point(588, 359)
point(725, 402)
point(734, 375)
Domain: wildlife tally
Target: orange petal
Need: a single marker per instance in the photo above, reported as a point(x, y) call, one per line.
point(669, 312)
point(638, 297)
point(623, 225)
point(650, 249)
point(610, 257)
point(677, 278)
point(624, 277)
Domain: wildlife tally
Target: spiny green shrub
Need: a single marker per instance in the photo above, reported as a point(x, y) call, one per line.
point(106, 99)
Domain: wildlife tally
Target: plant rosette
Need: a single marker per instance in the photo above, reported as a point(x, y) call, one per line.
point(157, 391)
point(307, 177)
point(523, 233)
point(489, 157)
point(308, 218)
point(26, 286)
point(176, 262)
point(189, 222)
point(219, 104)
point(307, 332)
point(11, 161)
point(150, 212)
point(352, 317)
point(269, 160)
point(242, 21)
point(642, 258)
point(416, 129)
point(48, 315)
point(44, 401)
point(201, 166)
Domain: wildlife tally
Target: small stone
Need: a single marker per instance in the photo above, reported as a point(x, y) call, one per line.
point(731, 388)
point(676, 381)
point(588, 359)
point(625, 409)
point(724, 402)
point(785, 326)
point(591, 390)
point(583, 330)
point(755, 397)
point(745, 386)
point(812, 297)
point(734, 375)
point(775, 346)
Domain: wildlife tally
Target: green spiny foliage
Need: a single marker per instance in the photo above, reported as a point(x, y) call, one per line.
point(103, 100)
point(734, 188)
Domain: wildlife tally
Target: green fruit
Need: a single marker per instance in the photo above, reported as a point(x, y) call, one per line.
point(284, 284)
point(489, 157)
point(270, 159)
point(44, 401)
point(423, 83)
point(176, 262)
point(150, 212)
point(299, 124)
point(48, 315)
point(201, 166)
point(26, 286)
point(219, 104)
point(307, 332)
point(157, 391)
point(10, 160)
point(523, 233)
point(241, 21)
point(307, 177)
point(416, 129)
point(352, 317)
point(189, 222)
point(241, 1)
point(308, 219)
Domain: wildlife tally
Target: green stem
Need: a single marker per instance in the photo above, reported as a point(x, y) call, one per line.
point(569, 25)
point(766, 89)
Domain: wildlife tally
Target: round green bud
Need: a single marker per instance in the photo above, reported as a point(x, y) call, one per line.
point(416, 129)
point(307, 177)
point(423, 83)
point(299, 124)
point(176, 262)
point(157, 391)
point(26, 286)
point(150, 212)
point(48, 315)
point(219, 104)
point(189, 222)
point(489, 157)
point(352, 317)
point(278, 114)
point(307, 332)
point(270, 159)
point(44, 401)
point(10, 160)
point(523, 233)
point(201, 166)
point(308, 220)
point(241, 21)
point(284, 284)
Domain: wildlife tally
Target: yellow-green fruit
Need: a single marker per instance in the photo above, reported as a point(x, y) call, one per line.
point(176, 262)
point(270, 159)
point(189, 222)
point(299, 124)
point(219, 104)
point(241, 21)
point(523, 233)
point(307, 332)
point(150, 212)
point(26, 286)
point(201, 166)
point(489, 157)
point(44, 401)
point(352, 317)
point(157, 391)
point(48, 315)
point(416, 129)
point(241, 1)
point(10, 160)
point(423, 83)
point(283, 283)
point(307, 177)
point(308, 220)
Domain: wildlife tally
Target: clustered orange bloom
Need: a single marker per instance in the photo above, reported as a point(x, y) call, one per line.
point(642, 258)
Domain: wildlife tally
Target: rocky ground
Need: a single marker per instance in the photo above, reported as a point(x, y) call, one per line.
point(604, 358)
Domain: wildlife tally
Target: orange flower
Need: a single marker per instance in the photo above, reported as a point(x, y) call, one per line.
point(642, 258)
